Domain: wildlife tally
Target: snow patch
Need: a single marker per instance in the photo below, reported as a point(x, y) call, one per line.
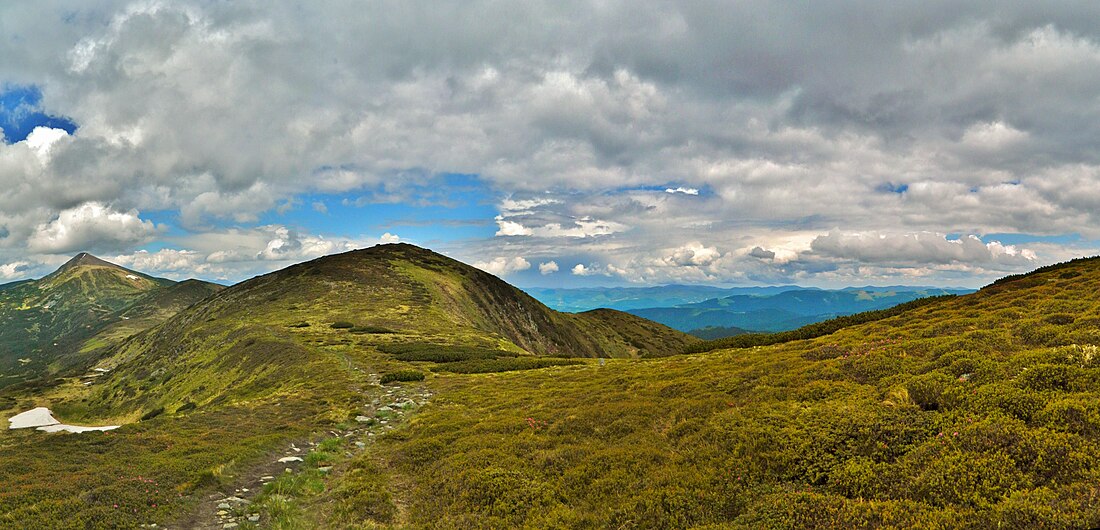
point(42, 419)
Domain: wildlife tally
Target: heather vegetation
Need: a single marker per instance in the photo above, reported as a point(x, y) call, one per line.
point(809, 331)
point(976, 411)
point(969, 412)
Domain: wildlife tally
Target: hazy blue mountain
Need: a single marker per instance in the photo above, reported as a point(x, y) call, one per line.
point(784, 310)
point(625, 298)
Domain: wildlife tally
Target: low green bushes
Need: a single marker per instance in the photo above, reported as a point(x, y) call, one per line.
point(811, 331)
point(402, 376)
point(375, 330)
point(482, 366)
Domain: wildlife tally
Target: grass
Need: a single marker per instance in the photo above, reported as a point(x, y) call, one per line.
point(227, 380)
point(970, 412)
point(142, 473)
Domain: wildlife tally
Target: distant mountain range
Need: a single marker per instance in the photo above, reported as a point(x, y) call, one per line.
point(627, 298)
point(712, 312)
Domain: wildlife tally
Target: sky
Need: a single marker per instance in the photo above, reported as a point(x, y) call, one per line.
point(561, 143)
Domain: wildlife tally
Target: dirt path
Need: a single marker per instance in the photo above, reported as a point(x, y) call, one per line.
point(383, 408)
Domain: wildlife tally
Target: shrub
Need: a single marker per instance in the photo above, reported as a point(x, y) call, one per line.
point(1047, 377)
point(441, 353)
point(1060, 319)
point(1075, 415)
point(342, 325)
point(502, 365)
point(371, 329)
point(299, 325)
point(927, 390)
point(403, 376)
point(973, 479)
point(152, 413)
point(1008, 400)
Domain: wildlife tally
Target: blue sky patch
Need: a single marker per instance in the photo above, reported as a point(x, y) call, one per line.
point(890, 187)
point(21, 111)
point(444, 207)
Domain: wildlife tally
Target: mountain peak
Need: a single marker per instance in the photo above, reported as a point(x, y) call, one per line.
point(85, 258)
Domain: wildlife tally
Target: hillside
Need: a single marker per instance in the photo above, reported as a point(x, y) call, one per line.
point(255, 338)
point(976, 411)
point(42, 321)
point(396, 377)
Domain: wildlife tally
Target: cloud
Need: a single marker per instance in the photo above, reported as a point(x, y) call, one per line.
point(694, 254)
point(511, 228)
point(579, 228)
point(547, 268)
point(685, 191)
point(42, 140)
point(501, 266)
point(761, 253)
point(581, 270)
point(13, 270)
point(575, 127)
point(236, 254)
point(91, 226)
point(993, 135)
point(919, 248)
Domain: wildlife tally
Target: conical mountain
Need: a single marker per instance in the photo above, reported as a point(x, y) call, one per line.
point(47, 321)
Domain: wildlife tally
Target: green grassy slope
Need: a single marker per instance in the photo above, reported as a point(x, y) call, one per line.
point(42, 321)
point(979, 411)
point(254, 339)
point(289, 355)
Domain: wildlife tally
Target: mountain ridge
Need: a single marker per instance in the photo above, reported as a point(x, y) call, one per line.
point(257, 337)
point(48, 320)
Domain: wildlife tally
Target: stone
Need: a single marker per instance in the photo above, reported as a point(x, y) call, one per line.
point(224, 506)
point(254, 518)
point(363, 419)
point(288, 459)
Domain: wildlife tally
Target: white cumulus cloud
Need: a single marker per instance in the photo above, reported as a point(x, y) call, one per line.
point(548, 267)
point(501, 266)
point(91, 225)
